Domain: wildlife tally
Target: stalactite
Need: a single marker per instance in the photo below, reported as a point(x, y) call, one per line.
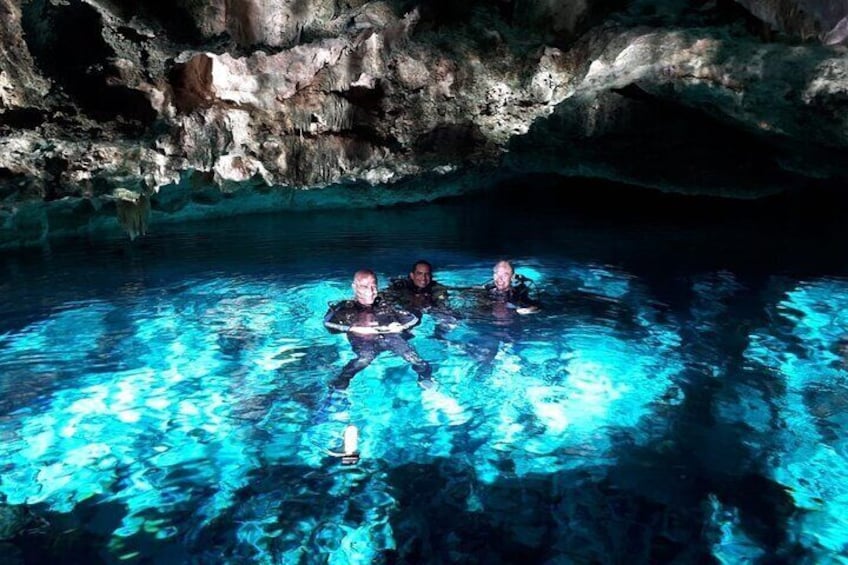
point(133, 210)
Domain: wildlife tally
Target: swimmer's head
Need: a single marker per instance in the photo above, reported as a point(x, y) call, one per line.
point(502, 275)
point(421, 274)
point(365, 287)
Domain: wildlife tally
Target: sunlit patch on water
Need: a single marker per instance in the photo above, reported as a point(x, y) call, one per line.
point(805, 349)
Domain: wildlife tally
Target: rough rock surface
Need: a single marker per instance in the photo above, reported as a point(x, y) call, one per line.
point(212, 107)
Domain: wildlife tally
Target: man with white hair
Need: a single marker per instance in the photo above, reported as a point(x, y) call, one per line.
point(502, 293)
point(373, 326)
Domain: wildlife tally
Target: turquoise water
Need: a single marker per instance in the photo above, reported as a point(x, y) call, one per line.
point(167, 401)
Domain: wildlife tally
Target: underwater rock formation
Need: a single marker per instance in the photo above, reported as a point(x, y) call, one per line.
point(224, 106)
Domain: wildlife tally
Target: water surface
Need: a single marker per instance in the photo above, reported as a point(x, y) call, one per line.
point(681, 397)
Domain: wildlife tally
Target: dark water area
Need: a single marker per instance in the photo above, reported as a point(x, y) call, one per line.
point(681, 397)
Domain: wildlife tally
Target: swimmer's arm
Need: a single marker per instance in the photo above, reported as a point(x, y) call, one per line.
point(407, 320)
point(392, 328)
point(525, 304)
point(364, 330)
point(333, 323)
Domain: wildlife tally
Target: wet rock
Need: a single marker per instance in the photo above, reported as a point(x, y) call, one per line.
point(12, 520)
point(259, 102)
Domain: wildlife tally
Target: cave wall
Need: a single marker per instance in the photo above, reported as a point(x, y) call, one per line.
point(196, 108)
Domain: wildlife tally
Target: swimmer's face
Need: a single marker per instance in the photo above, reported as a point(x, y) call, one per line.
point(365, 289)
point(502, 276)
point(421, 276)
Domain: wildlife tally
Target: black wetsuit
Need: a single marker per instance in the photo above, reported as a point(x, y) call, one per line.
point(431, 299)
point(497, 321)
point(504, 302)
point(417, 300)
point(344, 315)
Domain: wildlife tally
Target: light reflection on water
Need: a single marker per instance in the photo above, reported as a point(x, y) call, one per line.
point(177, 407)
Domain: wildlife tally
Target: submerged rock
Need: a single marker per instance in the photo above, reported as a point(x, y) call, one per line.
point(14, 520)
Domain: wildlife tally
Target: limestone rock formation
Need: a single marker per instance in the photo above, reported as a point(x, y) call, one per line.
point(214, 107)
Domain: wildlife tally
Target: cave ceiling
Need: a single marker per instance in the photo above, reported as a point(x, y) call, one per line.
point(196, 108)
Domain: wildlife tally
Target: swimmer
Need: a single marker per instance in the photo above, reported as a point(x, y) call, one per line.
point(372, 327)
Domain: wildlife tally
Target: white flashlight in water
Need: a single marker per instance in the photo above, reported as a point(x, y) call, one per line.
point(351, 440)
point(350, 452)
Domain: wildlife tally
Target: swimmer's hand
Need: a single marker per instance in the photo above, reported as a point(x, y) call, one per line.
point(363, 330)
point(393, 328)
point(527, 310)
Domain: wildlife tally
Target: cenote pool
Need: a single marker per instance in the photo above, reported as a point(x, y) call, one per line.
point(682, 396)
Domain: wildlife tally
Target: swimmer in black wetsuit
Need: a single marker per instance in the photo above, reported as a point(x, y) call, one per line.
point(499, 305)
point(373, 326)
point(418, 291)
point(502, 294)
point(419, 294)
